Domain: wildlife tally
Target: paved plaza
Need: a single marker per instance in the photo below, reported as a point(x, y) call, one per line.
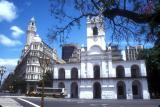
point(23, 101)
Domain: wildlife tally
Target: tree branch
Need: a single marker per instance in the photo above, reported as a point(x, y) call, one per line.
point(138, 18)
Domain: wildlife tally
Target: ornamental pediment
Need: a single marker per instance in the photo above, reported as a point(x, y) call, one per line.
point(95, 50)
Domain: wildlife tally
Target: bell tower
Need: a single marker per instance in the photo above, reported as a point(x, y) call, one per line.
point(31, 31)
point(95, 32)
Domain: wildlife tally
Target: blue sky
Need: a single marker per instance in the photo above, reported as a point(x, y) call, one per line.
point(14, 18)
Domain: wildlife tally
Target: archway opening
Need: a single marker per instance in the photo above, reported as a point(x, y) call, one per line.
point(136, 90)
point(121, 90)
point(61, 73)
point(96, 70)
point(120, 73)
point(135, 71)
point(74, 73)
point(74, 90)
point(97, 90)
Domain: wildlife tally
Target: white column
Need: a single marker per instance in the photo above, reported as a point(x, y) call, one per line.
point(89, 72)
point(85, 90)
point(67, 73)
point(127, 72)
point(104, 69)
point(129, 94)
point(143, 68)
point(145, 91)
point(55, 73)
point(112, 72)
point(83, 70)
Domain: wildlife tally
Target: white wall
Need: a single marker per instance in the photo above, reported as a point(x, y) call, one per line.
point(67, 68)
point(127, 66)
point(108, 85)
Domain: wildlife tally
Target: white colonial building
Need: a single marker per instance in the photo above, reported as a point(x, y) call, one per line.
point(101, 72)
point(95, 71)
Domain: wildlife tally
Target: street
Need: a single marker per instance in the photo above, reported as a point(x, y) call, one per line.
point(52, 102)
point(16, 100)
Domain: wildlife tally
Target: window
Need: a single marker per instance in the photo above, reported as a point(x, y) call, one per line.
point(31, 76)
point(96, 70)
point(74, 73)
point(32, 68)
point(28, 61)
point(120, 72)
point(41, 45)
point(39, 70)
point(95, 30)
point(35, 46)
point(34, 54)
point(135, 72)
point(61, 73)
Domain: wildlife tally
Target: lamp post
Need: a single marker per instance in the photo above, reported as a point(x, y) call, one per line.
point(44, 62)
point(2, 71)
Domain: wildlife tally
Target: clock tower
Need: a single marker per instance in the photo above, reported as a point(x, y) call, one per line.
point(95, 33)
point(31, 31)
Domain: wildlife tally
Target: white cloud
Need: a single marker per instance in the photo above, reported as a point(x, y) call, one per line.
point(7, 10)
point(16, 31)
point(8, 62)
point(10, 65)
point(8, 42)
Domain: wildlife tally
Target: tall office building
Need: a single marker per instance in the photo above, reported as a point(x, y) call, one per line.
point(132, 52)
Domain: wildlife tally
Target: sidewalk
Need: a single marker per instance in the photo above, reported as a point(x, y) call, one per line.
point(8, 102)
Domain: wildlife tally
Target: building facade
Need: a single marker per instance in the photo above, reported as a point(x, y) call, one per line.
point(101, 73)
point(71, 53)
point(28, 67)
point(94, 71)
point(132, 52)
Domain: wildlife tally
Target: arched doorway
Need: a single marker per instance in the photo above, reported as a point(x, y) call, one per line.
point(135, 71)
point(97, 90)
point(61, 73)
point(136, 90)
point(96, 70)
point(74, 90)
point(121, 90)
point(74, 73)
point(61, 85)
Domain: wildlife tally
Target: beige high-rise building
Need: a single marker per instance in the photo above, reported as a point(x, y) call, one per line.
point(28, 67)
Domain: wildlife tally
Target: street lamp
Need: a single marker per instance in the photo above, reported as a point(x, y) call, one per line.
point(44, 62)
point(2, 71)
